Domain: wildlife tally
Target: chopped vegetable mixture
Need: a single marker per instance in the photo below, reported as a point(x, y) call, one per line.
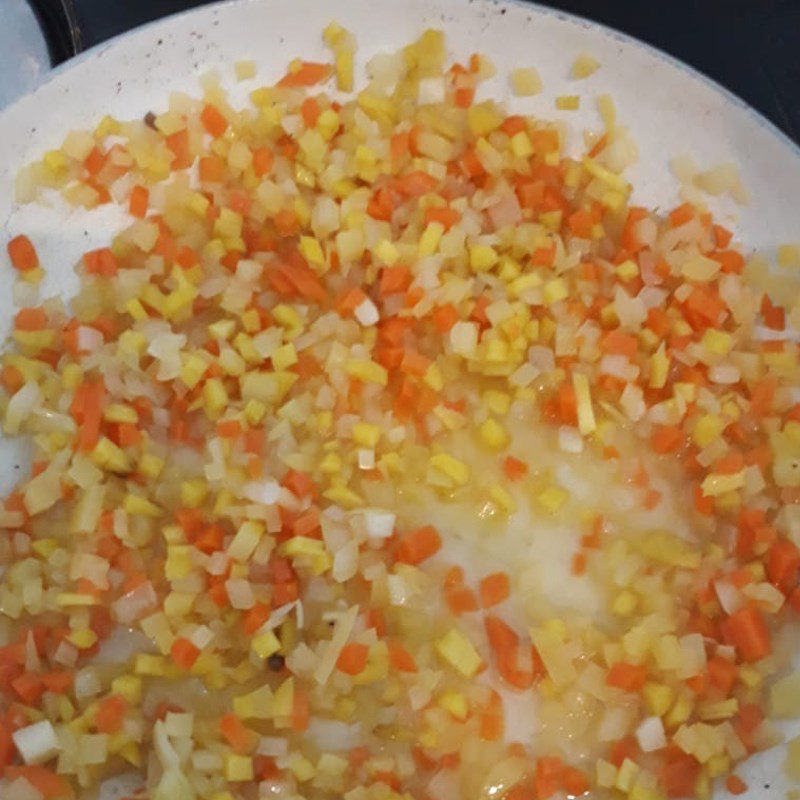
point(390, 452)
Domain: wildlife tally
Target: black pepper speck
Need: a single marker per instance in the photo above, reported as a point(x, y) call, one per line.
point(276, 662)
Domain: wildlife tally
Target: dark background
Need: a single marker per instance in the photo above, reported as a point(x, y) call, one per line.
point(750, 46)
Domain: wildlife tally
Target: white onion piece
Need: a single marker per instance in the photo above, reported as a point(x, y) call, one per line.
point(332, 735)
point(650, 735)
point(37, 743)
point(378, 523)
point(135, 603)
point(264, 492)
point(20, 406)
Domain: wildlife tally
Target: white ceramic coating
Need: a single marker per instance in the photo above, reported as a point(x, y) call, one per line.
point(669, 108)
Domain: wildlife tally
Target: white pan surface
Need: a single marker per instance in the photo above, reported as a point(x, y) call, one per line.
point(670, 110)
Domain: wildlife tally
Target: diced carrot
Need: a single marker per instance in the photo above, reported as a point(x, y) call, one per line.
point(543, 256)
point(514, 469)
point(392, 330)
point(101, 262)
point(681, 215)
point(747, 722)
point(58, 682)
point(513, 125)
point(358, 755)
point(11, 378)
point(310, 111)
point(229, 428)
point(578, 564)
point(722, 674)
point(265, 768)
point(87, 410)
point(400, 658)
point(783, 565)
point(697, 683)
point(730, 260)
point(735, 785)
point(353, 658)
point(415, 184)
point(505, 644)
point(29, 688)
point(218, 593)
point(762, 394)
point(627, 747)
point(722, 236)
point(22, 253)
point(444, 317)
point(567, 404)
point(238, 736)
point(616, 342)
point(774, 316)
point(598, 147)
point(491, 727)
point(581, 224)
point(303, 282)
point(110, 714)
point(461, 600)
point(414, 363)
point(30, 319)
point(494, 589)
point(500, 635)
point(625, 676)
point(255, 617)
point(263, 159)
point(376, 620)
point(43, 779)
point(548, 777)
point(444, 215)
point(212, 168)
point(184, 653)
point(394, 279)
point(299, 484)
point(288, 148)
point(307, 524)
point(747, 631)
point(285, 592)
point(6, 743)
point(399, 145)
point(138, 201)
point(213, 120)
point(658, 321)
point(545, 140)
point(679, 774)
point(463, 96)
point(417, 545)
point(307, 74)
point(471, 164)
point(95, 161)
point(286, 222)
point(209, 539)
point(349, 300)
point(574, 782)
point(381, 205)
point(128, 435)
point(178, 144)
point(453, 577)
point(666, 438)
point(729, 464)
point(255, 440)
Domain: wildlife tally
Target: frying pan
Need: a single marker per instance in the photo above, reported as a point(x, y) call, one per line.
point(669, 108)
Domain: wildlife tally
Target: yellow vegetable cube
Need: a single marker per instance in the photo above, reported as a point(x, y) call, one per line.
point(458, 651)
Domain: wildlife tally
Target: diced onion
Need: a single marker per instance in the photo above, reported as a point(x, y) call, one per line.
point(37, 743)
